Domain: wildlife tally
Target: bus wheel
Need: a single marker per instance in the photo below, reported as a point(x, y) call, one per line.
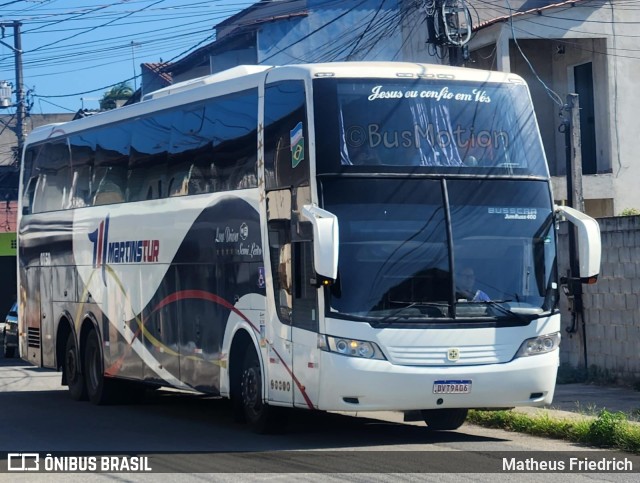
point(444, 419)
point(8, 351)
point(72, 375)
point(99, 389)
point(261, 417)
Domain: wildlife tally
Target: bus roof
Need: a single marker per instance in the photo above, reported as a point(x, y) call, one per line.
point(250, 76)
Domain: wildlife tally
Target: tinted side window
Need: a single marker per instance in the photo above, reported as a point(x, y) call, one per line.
point(111, 164)
point(286, 152)
point(83, 153)
point(29, 179)
point(213, 145)
point(53, 168)
point(233, 121)
point(150, 141)
point(200, 148)
point(189, 153)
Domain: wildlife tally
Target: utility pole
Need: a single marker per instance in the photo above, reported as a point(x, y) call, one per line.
point(576, 196)
point(21, 107)
point(575, 199)
point(449, 27)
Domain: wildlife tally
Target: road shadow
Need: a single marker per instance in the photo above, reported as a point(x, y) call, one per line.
point(172, 421)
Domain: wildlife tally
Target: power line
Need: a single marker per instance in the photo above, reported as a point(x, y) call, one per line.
point(552, 94)
point(94, 28)
point(126, 80)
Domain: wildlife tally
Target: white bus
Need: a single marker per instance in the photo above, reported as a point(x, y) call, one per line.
point(348, 236)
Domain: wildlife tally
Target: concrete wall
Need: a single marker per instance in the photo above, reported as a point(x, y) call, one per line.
point(612, 305)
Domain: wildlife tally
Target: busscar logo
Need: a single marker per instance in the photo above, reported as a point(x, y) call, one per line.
point(514, 213)
point(106, 252)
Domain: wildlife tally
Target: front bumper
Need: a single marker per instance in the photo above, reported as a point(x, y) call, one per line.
point(379, 385)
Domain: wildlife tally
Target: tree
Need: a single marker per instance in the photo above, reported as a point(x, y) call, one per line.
point(116, 96)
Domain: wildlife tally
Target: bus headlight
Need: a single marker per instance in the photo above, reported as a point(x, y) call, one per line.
point(539, 345)
point(350, 347)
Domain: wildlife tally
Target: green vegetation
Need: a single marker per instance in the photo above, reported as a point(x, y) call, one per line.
point(116, 96)
point(630, 212)
point(607, 429)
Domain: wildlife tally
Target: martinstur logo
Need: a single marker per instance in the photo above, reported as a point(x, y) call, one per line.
point(106, 252)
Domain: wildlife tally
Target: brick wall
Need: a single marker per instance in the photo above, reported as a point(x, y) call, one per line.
point(611, 306)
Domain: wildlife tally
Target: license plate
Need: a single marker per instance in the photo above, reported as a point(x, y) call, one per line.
point(452, 387)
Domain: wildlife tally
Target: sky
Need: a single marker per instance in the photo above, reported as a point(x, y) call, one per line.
point(74, 51)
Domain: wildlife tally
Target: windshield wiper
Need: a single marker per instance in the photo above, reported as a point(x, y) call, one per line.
point(501, 308)
point(398, 315)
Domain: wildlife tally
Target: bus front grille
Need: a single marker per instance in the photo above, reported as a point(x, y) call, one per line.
point(33, 337)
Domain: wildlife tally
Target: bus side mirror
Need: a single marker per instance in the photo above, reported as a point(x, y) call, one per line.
point(325, 241)
point(589, 243)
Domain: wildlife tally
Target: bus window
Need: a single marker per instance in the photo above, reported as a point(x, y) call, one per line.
point(280, 250)
point(108, 182)
point(186, 180)
point(286, 150)
point(305, 293)
point(83, 152)
point(29, 181)
point(53, 166)
point(80, 187)
point(150, 139)
point(27, 196)
point(178, 183)
point(190, 153)
point(234, 140)
point(112, 160)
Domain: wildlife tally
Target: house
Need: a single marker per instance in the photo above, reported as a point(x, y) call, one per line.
point(559, 47)
point(588, 47)
point(278, 32)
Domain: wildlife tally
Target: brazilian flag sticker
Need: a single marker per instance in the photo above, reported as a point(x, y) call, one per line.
point(297, 145)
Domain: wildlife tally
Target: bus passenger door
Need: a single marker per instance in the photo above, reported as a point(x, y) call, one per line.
point(304, 320)
point(287, 183)
point(293, 356)
point(279, 350)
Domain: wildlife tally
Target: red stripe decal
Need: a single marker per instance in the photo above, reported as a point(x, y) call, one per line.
point(99, 245)
point(201, 294)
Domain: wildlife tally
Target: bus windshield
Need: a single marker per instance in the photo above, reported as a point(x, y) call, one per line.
point(427, 125)
point(396, 257)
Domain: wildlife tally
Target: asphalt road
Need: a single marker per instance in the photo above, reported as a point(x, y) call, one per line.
point(195, 438)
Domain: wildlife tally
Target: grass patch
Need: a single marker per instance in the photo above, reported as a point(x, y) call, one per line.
point(606, 430)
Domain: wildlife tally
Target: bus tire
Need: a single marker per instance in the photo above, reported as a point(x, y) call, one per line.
point(261, 417)
point(99, 389)
point(72, 374)
point(444, 419)
point(8, 352)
